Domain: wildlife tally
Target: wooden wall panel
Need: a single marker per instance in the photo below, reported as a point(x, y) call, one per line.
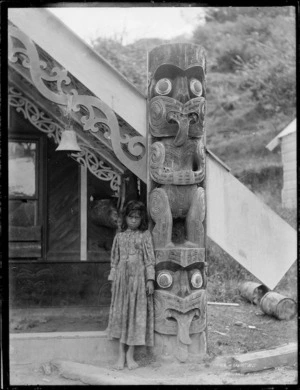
point(59, 284)
point(63, 204)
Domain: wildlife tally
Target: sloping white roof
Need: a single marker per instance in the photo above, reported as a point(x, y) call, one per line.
point(291, 128)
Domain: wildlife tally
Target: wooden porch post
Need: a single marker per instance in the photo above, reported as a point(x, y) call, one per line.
point(83, 213)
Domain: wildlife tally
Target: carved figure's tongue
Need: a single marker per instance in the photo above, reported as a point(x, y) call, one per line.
point(184, 322)
point(183, 128)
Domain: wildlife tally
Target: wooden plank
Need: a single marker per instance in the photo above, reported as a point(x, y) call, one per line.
point(76, 56)
point(24, 233)
point(289, 203)
point(83, 213)
point(248, 230)
point(290, 185)
point(25, 249)
point(223, 303)
point(262, 360)
point(289, 166)
point(289, 198)
point(289, 139)
point(289, 156)
point(289, 175)
point(292, 192)
point(288, 143)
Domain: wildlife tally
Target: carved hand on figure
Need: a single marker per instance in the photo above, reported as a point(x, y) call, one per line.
point(150, 287)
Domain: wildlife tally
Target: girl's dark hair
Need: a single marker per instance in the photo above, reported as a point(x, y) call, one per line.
point(135, 205)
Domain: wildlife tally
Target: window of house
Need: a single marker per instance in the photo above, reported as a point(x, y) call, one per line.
point(23, 185)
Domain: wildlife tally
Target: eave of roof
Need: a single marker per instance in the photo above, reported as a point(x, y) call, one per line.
point(105, 82)
point(291, 128)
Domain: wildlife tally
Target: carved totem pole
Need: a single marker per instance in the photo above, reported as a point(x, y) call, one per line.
point(176, 195)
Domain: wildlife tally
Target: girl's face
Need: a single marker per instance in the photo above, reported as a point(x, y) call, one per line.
point(133, 220)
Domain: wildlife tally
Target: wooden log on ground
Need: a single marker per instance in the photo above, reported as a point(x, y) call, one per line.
point(279, 306)
point(257, 361)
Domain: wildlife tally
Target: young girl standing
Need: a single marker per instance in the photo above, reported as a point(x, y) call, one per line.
point(131, 318)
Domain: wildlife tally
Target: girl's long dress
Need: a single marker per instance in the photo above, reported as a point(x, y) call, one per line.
point(131, 318)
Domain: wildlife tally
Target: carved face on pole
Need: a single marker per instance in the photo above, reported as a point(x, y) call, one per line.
point(177, 92)
point(177, 198)
point(180, 296)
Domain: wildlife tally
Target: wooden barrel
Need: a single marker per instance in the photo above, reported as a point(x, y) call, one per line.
point(278, 306)
point(253, 291)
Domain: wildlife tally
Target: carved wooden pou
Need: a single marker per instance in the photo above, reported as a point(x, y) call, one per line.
point(176, 195)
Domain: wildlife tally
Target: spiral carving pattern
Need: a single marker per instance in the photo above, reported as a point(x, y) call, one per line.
point(157, 155)
point(156, 113)
point(158, 203)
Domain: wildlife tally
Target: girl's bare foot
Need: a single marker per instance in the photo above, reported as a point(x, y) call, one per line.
point(121, 360)
point(131, 363)
point(120, 363)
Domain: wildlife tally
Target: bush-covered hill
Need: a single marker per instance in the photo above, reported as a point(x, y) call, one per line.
point(251, 87)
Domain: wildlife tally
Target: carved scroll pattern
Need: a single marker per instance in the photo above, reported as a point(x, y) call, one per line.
point(44, 123)
point(52, 84)
point(97, 167)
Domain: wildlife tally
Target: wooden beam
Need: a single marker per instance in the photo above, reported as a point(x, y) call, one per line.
point(24, 249)
point(223, 304)
point(53, 36)
point(247, 229)
point(83, 213)
point(262, 360)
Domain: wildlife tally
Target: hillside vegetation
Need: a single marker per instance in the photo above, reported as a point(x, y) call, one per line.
point(251, 86)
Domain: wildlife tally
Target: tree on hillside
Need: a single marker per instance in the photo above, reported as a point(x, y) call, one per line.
point(257, 43)
point(225, 14)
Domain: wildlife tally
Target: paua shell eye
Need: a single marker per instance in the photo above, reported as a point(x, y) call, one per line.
point(163, 87)
point(196, 87)
point(164, 279)
point(196, 279)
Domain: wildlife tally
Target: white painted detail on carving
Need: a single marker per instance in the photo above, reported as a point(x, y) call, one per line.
point(246, 228)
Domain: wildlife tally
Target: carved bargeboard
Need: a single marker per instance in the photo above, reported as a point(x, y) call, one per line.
point(176, 201)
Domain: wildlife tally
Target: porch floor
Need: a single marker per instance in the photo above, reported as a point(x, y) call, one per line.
point(58, 319)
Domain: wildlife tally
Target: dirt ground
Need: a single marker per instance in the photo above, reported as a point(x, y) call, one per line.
point(231, 330)
point(228, 328)
point(173, 373)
